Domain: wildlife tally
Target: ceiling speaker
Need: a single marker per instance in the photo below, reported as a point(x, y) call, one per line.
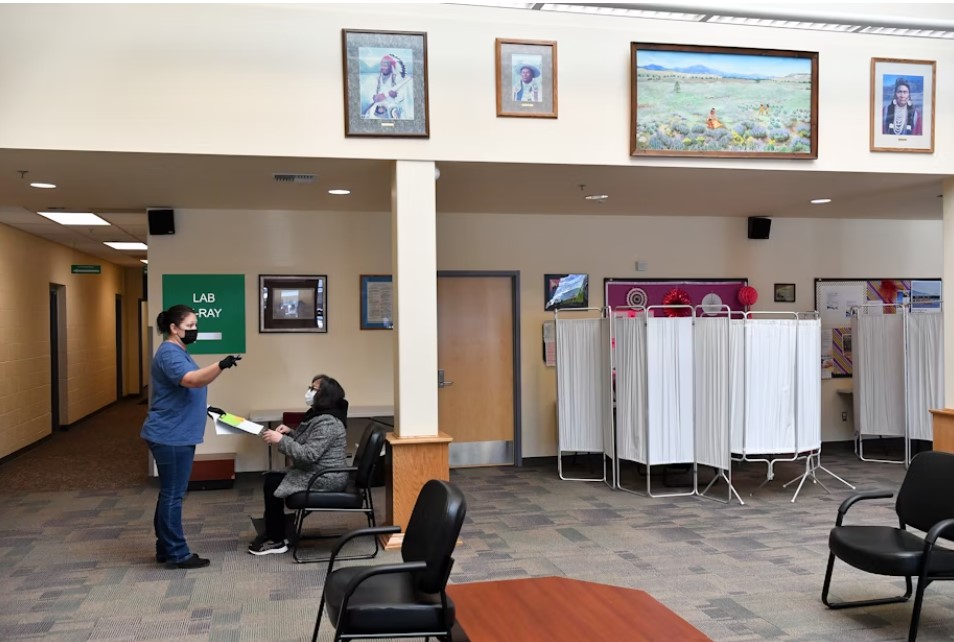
point(759, 227)
point(161, 221)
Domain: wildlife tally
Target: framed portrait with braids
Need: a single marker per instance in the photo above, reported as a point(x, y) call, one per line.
point(385, 83)
point(902, 105)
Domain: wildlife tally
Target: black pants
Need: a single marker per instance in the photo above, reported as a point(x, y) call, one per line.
point(274, 508)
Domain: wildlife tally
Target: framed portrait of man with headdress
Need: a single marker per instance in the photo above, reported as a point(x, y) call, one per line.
point(385, 74)
point(902, 105)
point(526, 78)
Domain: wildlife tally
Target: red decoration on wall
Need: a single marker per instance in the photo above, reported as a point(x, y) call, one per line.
point(748, 295)
point(676, 296)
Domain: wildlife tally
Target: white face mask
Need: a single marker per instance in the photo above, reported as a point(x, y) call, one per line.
point(309, 397)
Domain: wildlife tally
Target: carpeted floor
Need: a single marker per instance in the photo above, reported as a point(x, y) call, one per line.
point(76, 563)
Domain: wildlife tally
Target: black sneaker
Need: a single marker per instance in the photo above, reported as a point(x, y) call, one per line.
point(193, 561)
point(267, 546)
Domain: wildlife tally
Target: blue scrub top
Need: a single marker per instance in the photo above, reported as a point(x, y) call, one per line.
point(177, 414)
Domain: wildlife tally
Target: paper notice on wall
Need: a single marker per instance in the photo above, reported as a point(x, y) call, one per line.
point(549, 343)
point(380, 303)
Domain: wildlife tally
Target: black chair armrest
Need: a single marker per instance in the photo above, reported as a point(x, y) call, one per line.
point(938, 530)
point(858, 497)
point(325, 471)
point(360, 532)
point(371, 571)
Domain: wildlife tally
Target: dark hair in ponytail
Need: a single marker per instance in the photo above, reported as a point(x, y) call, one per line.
point(176, 314)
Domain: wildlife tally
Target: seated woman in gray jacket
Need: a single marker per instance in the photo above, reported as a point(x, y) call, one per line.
point(317, 443)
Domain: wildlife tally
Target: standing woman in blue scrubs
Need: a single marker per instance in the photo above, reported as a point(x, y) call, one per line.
point(173, 427)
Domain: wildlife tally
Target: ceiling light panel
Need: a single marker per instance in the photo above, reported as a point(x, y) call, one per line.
point(624, 11)
point(783, 24)
point(123, 245)
point(74, 218)
point(43, 185)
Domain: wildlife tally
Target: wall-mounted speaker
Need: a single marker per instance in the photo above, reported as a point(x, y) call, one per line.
point(161, 221)
point(759, 227)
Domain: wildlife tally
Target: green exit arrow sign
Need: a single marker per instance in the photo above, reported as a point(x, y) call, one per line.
point(86, 269)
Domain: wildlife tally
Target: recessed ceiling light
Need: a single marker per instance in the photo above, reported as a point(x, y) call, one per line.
point(596, 197)
point(122, 245)
point(146, 261)
point(339, 192)
point(820, 201)
point(74, 218)
point(43, 185)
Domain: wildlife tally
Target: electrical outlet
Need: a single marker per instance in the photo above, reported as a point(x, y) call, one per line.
point(844, 415)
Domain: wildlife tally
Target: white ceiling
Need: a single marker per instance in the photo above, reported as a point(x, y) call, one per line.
point(120, 186)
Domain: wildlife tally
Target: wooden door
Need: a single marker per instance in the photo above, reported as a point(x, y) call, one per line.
point(475, 350)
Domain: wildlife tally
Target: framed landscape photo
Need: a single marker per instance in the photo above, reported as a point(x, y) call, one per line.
point(385, 83)
point(723, 102)
point(785, 293)
point(293, 303)
point(562, 291)
point(376, 302)
point(902, 105)
point(526, 78)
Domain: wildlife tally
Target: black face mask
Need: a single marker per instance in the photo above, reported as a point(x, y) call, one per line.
point(190, 336)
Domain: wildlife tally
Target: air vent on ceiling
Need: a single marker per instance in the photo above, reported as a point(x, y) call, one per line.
point(294, 178)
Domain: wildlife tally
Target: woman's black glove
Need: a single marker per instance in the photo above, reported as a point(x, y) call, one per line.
point(213, 409)
point(229, 361)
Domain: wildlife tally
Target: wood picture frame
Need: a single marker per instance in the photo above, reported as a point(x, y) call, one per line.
point(526, 78)
point(292, 303)
point(902, 105)
point(766, 105)
point(385, 83)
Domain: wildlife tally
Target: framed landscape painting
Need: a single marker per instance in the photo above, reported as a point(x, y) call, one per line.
point(723, 102)
point(902, 105)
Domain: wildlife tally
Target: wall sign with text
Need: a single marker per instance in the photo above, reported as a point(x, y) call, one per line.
point(219, 304)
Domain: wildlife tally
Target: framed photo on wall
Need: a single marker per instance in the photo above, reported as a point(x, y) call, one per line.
point(902, 105)
point(784, 293)
point(526, 78)
point(562, 291)
point(723, 102)
point(385, 83)
point(292, 303)
point(376, 302)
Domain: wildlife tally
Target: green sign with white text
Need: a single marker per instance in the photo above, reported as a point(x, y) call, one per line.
point(219, 304)
point(86, 269)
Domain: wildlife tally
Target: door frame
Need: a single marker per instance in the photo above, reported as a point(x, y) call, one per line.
point(514, 276)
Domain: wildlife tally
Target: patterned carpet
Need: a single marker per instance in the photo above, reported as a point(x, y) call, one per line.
point(76, 563)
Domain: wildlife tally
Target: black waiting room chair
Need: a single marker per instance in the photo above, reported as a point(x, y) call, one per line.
point(355, 498)
point(925, 502)
point(402, 600)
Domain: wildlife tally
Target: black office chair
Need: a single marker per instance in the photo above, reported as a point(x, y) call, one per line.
point(925, 502)
point(407, 599)
point(355, 498)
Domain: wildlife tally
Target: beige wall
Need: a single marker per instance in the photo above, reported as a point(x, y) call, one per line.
point(28, 265)
point(343, 246)
point(266, 80)
point(278, 367)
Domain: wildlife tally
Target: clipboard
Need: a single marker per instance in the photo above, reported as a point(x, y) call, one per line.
point(229, 424)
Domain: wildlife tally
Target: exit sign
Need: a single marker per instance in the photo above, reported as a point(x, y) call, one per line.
point(86, 269)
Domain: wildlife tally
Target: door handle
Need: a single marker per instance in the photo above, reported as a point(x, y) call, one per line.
point(441, 381)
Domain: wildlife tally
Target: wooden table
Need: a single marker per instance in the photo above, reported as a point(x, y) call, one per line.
point(558, 609)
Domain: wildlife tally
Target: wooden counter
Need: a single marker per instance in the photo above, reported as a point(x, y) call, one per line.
point(943, 423)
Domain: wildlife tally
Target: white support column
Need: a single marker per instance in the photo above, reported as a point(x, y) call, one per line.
point(414, 265)
point(948, 290)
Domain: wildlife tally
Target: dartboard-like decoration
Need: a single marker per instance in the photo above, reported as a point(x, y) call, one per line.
point(711, 303)
point(636, 298)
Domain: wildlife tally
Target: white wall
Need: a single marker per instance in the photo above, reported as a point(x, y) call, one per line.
point(267, 80)
point(343, 246)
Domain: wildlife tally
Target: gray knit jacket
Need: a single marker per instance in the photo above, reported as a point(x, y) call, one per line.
point(317, 443)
